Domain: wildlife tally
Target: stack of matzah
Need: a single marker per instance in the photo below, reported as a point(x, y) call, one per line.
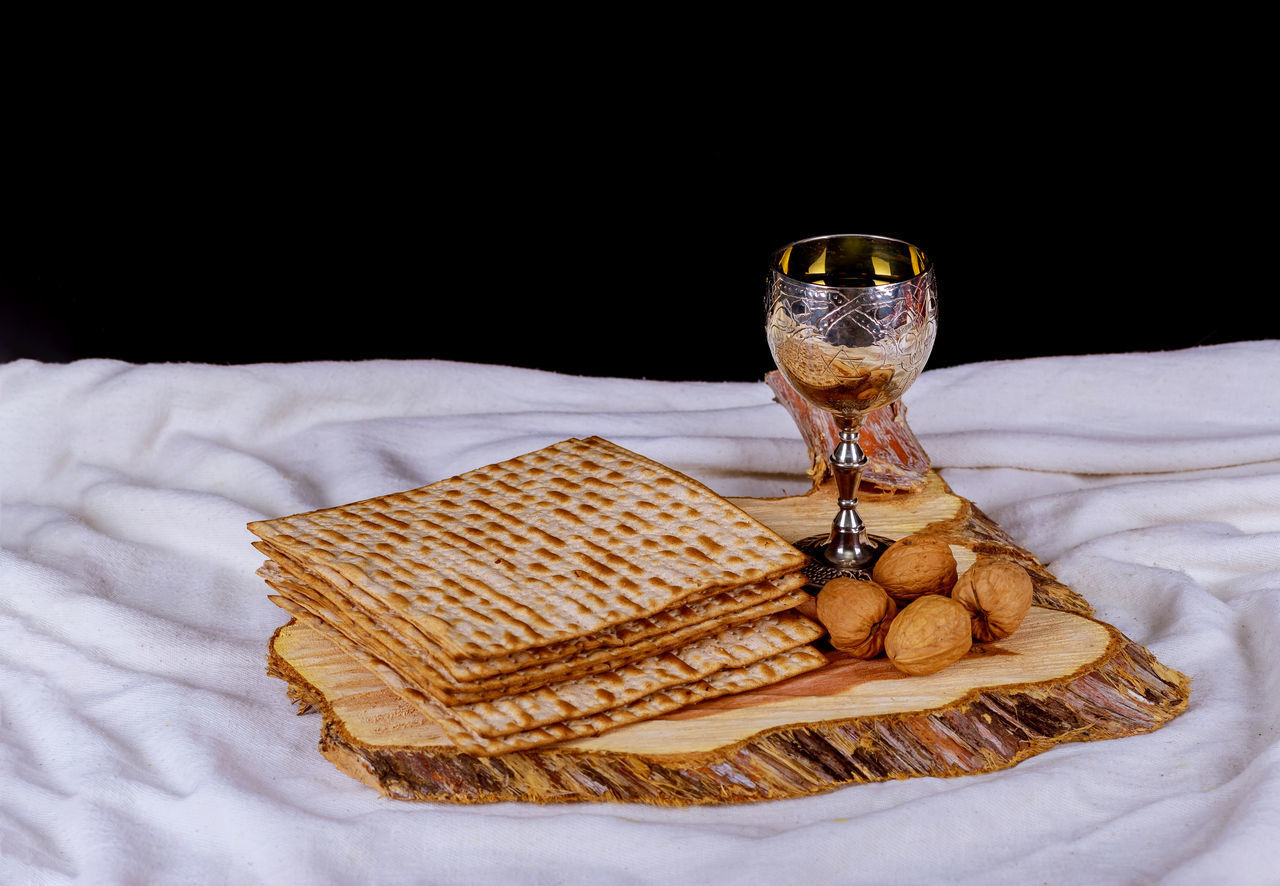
point(554, 595)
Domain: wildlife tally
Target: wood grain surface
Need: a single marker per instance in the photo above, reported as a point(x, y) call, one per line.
point(1063, 676)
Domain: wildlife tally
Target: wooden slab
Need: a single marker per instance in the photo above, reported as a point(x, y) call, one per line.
point(1063, 676)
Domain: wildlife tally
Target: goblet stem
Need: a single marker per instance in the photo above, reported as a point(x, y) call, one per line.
point(849, 546)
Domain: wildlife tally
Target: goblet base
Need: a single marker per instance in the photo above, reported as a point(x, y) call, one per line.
point(820, 570)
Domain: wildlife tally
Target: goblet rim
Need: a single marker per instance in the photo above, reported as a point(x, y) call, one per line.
point(927, 261)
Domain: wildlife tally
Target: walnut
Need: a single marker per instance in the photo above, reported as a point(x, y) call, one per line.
point(929, 634)
point(997, 595)
point(856, 614)
point(914, 566)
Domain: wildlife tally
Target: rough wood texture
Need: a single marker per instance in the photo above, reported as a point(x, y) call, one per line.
point(1063, 676)
point(934, 509)
point(895, 459)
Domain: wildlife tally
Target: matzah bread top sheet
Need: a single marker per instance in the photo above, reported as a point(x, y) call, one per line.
point(545, 547)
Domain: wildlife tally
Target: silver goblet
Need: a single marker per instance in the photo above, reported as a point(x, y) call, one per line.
point(850, 321)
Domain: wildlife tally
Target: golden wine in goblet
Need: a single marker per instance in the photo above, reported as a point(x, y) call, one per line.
point(850, 320)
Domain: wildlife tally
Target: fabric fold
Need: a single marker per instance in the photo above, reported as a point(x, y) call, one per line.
point(141, 739)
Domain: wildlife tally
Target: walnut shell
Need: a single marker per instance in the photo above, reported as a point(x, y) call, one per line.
point(929, 634)
point(856, 614)
point(997, 594)
point(914, 566)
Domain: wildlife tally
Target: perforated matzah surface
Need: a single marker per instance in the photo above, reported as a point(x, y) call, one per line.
point(691, 610)
point(546, 547)
point(583, 696)
point(649, 636)
point(724, 682)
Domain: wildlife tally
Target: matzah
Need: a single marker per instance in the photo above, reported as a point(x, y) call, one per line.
point(703, 607)
point(727, 681)
point(583, 696)
point(643, 637)
point(556, 544)
point(549, 596)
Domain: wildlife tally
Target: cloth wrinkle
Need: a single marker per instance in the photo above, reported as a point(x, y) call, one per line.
point(141, 739)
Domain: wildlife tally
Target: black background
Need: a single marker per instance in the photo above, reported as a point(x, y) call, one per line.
point(304, 230)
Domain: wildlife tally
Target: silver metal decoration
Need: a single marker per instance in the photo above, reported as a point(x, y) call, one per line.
point(850, 320)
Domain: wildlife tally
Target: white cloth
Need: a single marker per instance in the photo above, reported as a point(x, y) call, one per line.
point(142, 742)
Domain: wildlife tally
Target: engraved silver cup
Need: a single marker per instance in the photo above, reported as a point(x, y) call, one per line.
point(850, 320)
